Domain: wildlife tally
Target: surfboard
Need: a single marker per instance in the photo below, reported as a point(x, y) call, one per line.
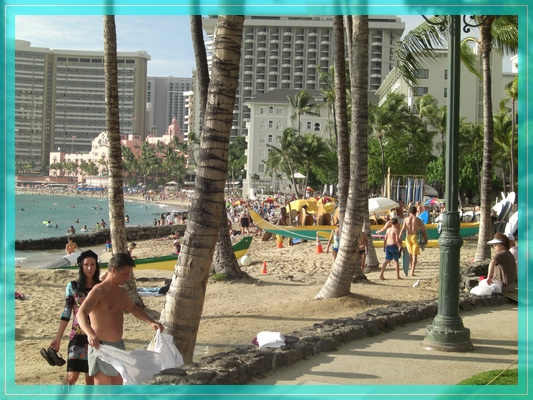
point(405, 262)
point(510, 201)
point(512, 225)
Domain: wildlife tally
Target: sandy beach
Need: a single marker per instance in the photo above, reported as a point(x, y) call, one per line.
point(234, 312)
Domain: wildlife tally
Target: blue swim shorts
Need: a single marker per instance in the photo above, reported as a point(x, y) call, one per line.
point(392, 252)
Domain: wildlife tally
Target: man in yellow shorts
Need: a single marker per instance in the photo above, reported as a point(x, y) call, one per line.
point(412, 225)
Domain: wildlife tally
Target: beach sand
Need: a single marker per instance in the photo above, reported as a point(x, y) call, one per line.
point(234, 312)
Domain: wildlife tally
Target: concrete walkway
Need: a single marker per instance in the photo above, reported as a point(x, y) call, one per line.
point(396, 358)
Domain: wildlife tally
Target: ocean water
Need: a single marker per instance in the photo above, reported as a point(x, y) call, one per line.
point(32, 210)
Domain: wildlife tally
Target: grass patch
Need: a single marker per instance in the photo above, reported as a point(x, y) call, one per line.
point(509, 377)
point(219, 277)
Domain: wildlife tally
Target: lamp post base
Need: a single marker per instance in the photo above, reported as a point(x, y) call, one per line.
point(450, 339)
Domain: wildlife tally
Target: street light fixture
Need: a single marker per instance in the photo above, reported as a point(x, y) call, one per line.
point(447, 332)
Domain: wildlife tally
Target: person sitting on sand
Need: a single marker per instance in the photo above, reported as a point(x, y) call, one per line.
point(71, 246)
point(108, 245)
point(177, 247)
point(175, 236)
point(391, 247)
point(132, 247)
point(77, 291)
point(502, 268)
point(412, 225)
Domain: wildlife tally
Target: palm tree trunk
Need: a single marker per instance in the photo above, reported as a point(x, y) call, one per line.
point(200, 55)
point(339, 280)
point(513, 130)
point(185, 299)
point(485, 225)
point(117, 226)
point(343, 136)
point(224, 261)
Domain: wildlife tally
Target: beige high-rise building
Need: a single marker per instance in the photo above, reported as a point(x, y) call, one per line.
point(60, 100)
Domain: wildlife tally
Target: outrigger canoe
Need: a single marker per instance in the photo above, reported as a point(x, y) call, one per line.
point(164, 263)
point(310, 232)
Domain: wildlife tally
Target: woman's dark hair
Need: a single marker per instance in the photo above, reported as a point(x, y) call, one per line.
point(81, 275)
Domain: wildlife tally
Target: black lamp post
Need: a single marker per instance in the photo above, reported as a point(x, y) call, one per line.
point(447, 333)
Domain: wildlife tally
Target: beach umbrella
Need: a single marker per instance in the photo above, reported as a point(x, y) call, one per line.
point(433, 200)
point(381, 204)
point(270, 200)
point(298, 176)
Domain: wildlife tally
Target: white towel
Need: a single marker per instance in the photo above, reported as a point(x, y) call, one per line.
point(270, 339)
point(139, 365)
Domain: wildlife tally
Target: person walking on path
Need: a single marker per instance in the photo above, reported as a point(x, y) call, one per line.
point(76, 293)
point(391, 247)
point(412, 225)
point(105, 305)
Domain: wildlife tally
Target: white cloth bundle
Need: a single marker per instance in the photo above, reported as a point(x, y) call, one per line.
point(270, 339)
point(484, 289)
point(139, 365)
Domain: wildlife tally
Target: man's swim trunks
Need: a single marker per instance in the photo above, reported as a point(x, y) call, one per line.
point(96, 364)
point(412, 244)
point(392, 252)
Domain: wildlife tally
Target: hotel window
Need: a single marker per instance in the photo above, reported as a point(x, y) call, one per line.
point(271, 110)
point(445, 74)
point(262, 125)
point(270, 138)
point(422, 73)
point(271, 124)
point(308, 125)
point(262, 139)
point(445, 92)
point(261, 110)
point(317, 127)
point(279, 110)
point(279, 126)
point(262, 153)
point(261, 168)
point(419, 91)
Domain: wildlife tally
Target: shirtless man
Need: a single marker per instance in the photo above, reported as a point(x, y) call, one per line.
point(105, 305)
point(391, 247)
point(362, 250)
point(412, 225)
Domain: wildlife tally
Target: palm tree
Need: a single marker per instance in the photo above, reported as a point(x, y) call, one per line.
point(117, 225)
point(313, 151)
point(202, 70)
point(341, 113)
point(301, 104)
point(288, 153)
point(185, 299)
point(496, 32)
point(388, 120)
point(503, 141)
point(512, 91)
point(339, 280)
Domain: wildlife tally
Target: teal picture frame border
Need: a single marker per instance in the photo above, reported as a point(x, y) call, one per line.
point(14, 8)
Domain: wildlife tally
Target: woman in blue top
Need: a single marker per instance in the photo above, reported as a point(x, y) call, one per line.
point(77, 291)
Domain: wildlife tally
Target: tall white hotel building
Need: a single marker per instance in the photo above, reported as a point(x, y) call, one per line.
point(289, 52)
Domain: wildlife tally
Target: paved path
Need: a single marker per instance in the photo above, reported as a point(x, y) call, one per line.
point(396, 358)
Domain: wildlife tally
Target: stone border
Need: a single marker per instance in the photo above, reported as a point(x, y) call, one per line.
point(245, 365)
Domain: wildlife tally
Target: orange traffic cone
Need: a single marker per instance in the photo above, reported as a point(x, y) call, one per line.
point(264, 270)
point(318, 245)
point(280, 243)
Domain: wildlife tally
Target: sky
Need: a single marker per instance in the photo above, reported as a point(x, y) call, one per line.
point(166, 39)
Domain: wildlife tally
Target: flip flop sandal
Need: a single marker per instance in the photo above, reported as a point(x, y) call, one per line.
point(44, 353)
point(56, 358)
